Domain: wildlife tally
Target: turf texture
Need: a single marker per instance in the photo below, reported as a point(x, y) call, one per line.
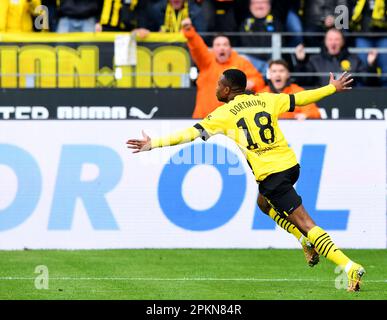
point(187, 274)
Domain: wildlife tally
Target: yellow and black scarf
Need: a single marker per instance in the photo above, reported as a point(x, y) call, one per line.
point(378, 13)
point(173, 19)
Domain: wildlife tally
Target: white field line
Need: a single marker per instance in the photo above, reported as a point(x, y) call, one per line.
point(177, 279)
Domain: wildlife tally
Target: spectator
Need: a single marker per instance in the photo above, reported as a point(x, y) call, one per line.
point(260, 19)
point(319, 16)
point(78, 15)
point(335, 57)
point(241, 9)
point(211, 64)
point(167, 15)
point(370, 16)
point(52, 14)
point(280, 83)
point(17, 16)
point(122, 15)
point(289, 13)
point(220, 15)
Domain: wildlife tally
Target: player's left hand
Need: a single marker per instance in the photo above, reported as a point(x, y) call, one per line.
point(343, 83)
point(140, 145)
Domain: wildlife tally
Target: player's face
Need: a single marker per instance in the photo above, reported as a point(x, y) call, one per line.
point(222, 49)
point(222, 90)
point(279, 76)
point(260, 8)
point(334, 42)
point(176, 4)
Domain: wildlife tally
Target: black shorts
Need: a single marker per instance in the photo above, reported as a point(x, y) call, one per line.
point(278, 190)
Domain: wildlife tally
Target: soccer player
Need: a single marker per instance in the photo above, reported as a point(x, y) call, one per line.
point(252, 122)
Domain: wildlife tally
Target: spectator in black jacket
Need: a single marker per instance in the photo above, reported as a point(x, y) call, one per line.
point(167, 15)
point(261, 19)
point(319, 16)
point(334, 57)
point(78, 15)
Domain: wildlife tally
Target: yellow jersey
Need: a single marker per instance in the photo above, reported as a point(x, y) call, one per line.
point(252, 122)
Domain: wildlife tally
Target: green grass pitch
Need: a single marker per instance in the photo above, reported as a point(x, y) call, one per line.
point(185, 274)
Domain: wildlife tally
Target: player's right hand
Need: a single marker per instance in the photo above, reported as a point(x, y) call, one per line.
point(343, 83)
point(140, 145)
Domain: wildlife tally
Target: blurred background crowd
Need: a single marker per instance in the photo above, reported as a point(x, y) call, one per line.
point(331, 26)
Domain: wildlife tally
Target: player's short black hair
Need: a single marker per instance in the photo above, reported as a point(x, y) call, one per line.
point(236, 79)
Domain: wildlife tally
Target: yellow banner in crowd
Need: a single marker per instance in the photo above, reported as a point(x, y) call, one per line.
point(86, 60)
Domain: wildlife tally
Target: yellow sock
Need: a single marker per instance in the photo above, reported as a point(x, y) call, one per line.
point(325, 246)
point(285, 224)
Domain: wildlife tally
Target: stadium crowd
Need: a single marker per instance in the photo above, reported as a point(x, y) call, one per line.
point(244, 16)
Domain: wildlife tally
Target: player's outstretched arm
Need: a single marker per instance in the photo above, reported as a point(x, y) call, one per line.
point(179, 137)
point(343, 83)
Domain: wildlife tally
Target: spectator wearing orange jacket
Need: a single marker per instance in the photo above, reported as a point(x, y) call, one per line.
point(211, 65)
point(280, 83)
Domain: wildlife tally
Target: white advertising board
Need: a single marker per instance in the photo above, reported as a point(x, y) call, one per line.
point(75, 185)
